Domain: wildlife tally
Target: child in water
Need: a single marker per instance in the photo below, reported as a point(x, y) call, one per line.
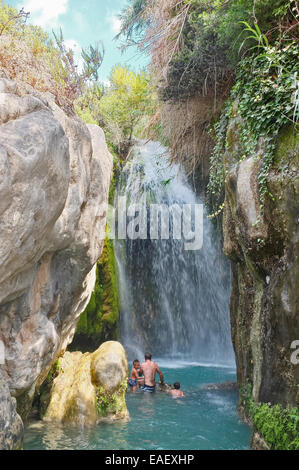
point(133, 381)
point(175, 391)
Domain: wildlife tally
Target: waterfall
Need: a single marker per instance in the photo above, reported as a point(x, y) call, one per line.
point(174, 302)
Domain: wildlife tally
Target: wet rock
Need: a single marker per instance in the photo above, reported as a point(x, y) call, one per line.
point(258, 442)
point(163, 387)
point(229, 385)
point(263, 245)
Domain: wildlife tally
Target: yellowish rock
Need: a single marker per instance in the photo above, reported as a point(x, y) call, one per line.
point(90, 387)
point(109, 366)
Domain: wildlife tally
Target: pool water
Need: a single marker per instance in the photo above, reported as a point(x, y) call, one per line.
point(204, 419)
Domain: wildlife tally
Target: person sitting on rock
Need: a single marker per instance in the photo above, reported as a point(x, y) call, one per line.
point(133, 381)
point(149, 368)
point(176, 392)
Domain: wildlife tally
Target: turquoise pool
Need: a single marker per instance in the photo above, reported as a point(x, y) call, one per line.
point(204, 419)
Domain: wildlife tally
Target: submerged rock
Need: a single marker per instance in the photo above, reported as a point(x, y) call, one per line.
point(90, 387)
point(163, 387)
point(229, 385)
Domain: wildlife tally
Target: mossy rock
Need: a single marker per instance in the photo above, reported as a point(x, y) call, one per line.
point(90, 387)
point(287, 148)
point(99, 322)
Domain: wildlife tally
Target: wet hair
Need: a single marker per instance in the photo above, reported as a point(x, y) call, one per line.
point(177, 385)
point(135, 361)
point(148, 356)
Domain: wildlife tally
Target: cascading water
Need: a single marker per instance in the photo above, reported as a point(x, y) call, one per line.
point(174, 302)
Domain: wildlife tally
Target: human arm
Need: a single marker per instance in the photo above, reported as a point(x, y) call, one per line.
point(160, 374)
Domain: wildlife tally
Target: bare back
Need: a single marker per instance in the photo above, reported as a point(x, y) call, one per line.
point(149, 369)
point(176, 393)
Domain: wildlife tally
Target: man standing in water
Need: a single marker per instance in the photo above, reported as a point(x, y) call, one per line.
point(149, 369)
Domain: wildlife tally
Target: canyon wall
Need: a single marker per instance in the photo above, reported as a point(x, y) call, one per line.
point(262, 243)
point(55, 176)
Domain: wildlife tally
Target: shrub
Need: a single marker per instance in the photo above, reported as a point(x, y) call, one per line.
point(277, 425)
point(30, 55)
point(265, 93)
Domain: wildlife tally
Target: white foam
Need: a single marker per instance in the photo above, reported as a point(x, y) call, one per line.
point(183, 364)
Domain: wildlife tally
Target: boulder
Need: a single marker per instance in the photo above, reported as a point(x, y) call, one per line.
point(109, 366)
point(222, 386)
point(90, 387)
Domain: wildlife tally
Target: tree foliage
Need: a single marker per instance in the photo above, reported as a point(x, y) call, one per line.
point(87, 105)
point(198, 43)
point(265, 95)
point(127, 102)
point(92, 60)
point(277, 425)
point(215, 40)
point(10, 18)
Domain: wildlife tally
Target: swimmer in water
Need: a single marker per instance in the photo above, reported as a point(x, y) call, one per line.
point(175, 391)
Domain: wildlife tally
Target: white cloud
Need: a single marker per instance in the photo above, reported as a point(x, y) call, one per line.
point(80, 20)
point(114, 22)
point(45, 13)
point(72, 44)
point(106, 83)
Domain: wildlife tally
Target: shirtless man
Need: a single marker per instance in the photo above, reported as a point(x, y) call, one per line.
point(149, 369)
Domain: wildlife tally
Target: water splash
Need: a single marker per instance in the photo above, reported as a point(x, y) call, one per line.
point(174, 302)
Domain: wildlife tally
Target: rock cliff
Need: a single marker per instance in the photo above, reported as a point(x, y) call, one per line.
point(55, 175)
point(262, 243)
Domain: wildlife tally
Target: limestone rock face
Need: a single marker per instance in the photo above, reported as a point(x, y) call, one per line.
point(90, 387)
point(11, 426)
point(54, 180)
point(263, 247)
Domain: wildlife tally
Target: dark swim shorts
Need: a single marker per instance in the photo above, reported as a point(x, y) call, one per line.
point(132, 383)
point(149, 388)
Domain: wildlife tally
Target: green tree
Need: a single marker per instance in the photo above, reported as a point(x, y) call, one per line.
point(10, 18)
point(126, 104)
point(93, 58)
point(87, 106)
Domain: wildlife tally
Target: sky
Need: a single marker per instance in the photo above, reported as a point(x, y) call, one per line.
point(85, 22)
